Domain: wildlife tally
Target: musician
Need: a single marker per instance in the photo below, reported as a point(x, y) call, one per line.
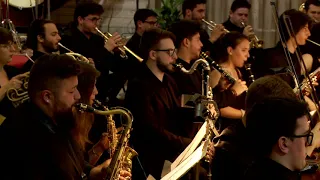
point(52, 153)
point(153, 98)
point(43, 38)
point(144, 19)
point(9, 77)
point(233, 151)
point(312, 8)
point(196, 10)
point(234, 53)
point(274, 59)
point(281, 137)
point(188, 45)
point(239, 12)
point(82, 38)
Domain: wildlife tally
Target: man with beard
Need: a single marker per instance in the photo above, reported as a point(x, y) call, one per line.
point(153, 98)
point(36, 137)
point(43, 38)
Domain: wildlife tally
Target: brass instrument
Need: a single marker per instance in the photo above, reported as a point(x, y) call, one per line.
point(122, 48)
point(212, 25)
point(302, 7)
point(314, 76)
point(122, 154)
point(315, 43)
point(18, 96)
point(74, 55)
point(255, 42)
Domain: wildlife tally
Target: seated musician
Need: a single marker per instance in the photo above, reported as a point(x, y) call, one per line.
point(233, 53)
point(233, 151)
point(280, 131)
point(45, 124)
point(275, 58)
point(153, 98)
point(43, 38)
point(82, 38)
point(9, 77)
point(188, 45)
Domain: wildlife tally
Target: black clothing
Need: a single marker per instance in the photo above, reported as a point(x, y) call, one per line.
point(266, 169)
point(158, 129)
point(232, 27)
point(107, 85)
point(207, 44)
point(6, 105)
point(33, 147)
point(273, 61)
point(134, 43)
point(28, 65)
point(232, 153)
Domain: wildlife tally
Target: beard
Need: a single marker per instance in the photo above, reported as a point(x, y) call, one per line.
point(64, 119)
point(163, 67)
point(49, 46)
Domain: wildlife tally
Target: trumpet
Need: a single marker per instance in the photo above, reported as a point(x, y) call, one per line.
point(75, 56)
point(302, 7)
point(212, 25)
point(122, 48)
point(255, 42)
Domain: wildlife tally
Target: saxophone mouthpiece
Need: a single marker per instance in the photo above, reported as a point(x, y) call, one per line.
point(84, 107)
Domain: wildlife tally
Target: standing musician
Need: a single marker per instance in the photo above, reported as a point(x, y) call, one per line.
point(153, 98)
point(9, 77)
point(52, 152)
point(196, 10)
point(82, 38)
point(234, 53)
point(43, 38)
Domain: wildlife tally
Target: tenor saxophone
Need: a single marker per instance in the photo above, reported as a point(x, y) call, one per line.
point(122, 154)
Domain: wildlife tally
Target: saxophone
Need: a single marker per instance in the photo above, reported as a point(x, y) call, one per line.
point(122, 154)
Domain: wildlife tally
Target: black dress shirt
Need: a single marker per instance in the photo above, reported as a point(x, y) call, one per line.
point(28, 65)
point(267, 169)
point(6, 105)
point(232, 153)
point(158, 129)
point(232, 27)
point(32, 147)
point(93, 47)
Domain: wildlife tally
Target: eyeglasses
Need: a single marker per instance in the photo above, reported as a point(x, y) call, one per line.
point(151, 22)
point(171, 52)
point(309, 137)
point(94, 19)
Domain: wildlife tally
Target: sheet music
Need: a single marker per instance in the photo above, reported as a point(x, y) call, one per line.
point(191, 147)
point(188, 163)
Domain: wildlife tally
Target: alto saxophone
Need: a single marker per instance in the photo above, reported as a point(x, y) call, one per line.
point(122, 154)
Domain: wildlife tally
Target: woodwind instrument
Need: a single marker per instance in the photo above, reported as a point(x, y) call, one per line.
point(122, 48)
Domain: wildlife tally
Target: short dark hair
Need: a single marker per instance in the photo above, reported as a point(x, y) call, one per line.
point(272, 118)
point(240, 4)
point(142, 15)
point(86, 8)
point(184, 29)
point(151, 38)
point(191, 4)
point(298, 19)
point(232, 39)
point(36, 28)
point(5, 36)
point(48, 70)
point(267, 87)
point(309, 2)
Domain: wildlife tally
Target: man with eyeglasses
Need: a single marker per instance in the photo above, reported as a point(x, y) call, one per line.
point(82, 38)
point(152, 97)
point(280, 131)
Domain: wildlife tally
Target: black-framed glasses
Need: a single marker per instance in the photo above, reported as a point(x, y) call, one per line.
point(171, 52)
point(151, 22)
point(308, 136)
point(95, 19)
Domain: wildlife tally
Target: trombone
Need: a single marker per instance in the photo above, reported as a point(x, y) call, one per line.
point(122, 48)
point(212, 25)
point(317, 44)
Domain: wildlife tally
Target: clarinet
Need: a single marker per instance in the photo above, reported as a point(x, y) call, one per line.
point(248, 69)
